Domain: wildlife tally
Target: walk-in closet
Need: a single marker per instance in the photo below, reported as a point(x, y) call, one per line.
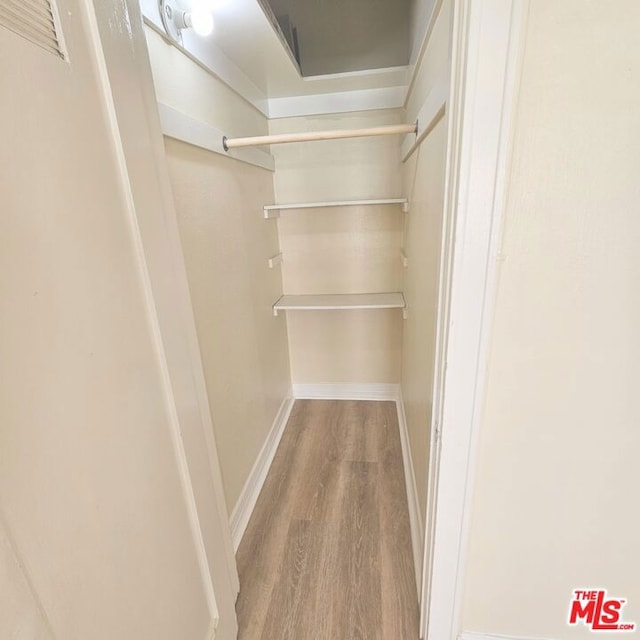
point(318, 319)
point(311, 219)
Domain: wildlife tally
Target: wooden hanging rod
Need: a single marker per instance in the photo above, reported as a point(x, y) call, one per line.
point(311, 136)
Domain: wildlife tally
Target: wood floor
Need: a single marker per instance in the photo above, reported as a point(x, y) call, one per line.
point(327, 553)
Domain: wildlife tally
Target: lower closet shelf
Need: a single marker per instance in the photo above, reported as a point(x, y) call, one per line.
point(327, 302)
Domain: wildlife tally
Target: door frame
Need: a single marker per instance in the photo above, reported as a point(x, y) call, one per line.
point(486, 55)
point(127, 86)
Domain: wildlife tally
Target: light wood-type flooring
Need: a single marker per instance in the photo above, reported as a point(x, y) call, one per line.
point(327, 553)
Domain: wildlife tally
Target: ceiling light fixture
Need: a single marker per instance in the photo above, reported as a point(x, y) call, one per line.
point(175, 19)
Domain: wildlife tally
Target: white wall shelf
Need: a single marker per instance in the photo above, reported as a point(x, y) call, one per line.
point(329, 302)
point(273, 210)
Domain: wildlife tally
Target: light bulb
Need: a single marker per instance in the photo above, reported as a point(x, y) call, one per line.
point(201, 20)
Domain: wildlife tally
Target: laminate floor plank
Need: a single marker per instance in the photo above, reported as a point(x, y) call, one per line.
point(317, 493)
point(361, 437)
point(287, 599)
point(265, 541)
point(359, 580)
point(327, 553)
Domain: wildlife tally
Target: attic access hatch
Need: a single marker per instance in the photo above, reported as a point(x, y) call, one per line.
point(342, 36)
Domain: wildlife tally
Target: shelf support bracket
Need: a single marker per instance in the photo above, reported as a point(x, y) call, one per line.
point(274, 261)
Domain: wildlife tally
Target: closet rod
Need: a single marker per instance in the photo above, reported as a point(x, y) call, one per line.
point(311, 136)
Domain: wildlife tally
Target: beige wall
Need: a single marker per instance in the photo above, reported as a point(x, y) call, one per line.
point(96, 534)
point(555, 504)
point(419, 14)
point(341, 250)
point(423, 176)
point(425, 170)
point(21, 617)
point(435, 59)
point(226, 244)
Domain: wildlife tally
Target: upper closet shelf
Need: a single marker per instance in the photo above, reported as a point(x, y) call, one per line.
point(273, 210)
point(327, 302)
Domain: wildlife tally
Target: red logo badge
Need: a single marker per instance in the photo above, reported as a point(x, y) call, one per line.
point(595, 609)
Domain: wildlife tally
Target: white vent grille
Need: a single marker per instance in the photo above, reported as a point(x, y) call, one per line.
point(33, 20)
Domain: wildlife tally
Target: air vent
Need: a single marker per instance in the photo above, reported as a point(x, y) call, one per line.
point(33, 20)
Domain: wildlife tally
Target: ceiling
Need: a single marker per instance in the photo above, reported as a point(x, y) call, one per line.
point(248, 41)
point(247, 37)
point(339, 36)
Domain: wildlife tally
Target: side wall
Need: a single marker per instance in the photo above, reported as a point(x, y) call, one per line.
point(555, 504)
point(420, 12)
point(423, 176)
point(343, 249)
point(226, 245)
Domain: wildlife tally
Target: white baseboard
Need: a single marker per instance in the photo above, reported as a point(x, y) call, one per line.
point(470, 635)
point(346, 391)
point(252, 487)
point(415, 519)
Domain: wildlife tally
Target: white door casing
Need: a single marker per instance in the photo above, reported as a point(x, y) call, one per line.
point(487, 44)
point(125, 48)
